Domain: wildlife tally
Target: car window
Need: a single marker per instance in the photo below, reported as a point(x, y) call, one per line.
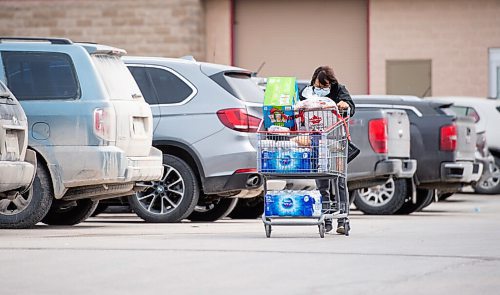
point(118, 80)
point(169, 87)
point(40, 75)
point(459, 111)
point(240, 85)
point(471, 112)
point(301, 86)
point(144, 83)
point(244, 87)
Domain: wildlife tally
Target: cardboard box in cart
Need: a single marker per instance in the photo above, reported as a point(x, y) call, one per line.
point(281, 94)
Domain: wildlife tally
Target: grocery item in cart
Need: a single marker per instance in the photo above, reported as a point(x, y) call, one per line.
point(280, 96)
point(276, 144)
point(315, 102)
point(316, 119)
point(290, 203)
point(316, 113)
point(319, 153)
point(282, 116)
point(277, 159)
point(303, 140)
point(280, 130)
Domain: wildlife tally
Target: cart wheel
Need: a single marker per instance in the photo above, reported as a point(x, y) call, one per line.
point(321, 230)
point(268, 230)
point(347, 227)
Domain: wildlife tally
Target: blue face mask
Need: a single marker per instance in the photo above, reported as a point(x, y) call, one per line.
point(321, 91)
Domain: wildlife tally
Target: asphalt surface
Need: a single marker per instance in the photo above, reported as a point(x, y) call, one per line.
point(451, 247)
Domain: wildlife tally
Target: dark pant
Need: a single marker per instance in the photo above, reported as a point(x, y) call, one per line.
point(341, 194)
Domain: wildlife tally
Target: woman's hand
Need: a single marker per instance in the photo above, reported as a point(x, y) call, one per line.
point(342, 105)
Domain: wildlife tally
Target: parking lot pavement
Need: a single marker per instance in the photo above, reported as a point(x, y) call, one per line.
point(452, 247)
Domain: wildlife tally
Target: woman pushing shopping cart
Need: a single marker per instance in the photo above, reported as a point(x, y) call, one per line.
point(317, 147)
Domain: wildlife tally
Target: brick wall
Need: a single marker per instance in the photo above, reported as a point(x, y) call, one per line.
point(455, 34)
point(155, 27)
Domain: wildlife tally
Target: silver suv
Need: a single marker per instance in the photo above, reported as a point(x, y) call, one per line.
point(205, 122)
point(88, 125)
point(17, 164)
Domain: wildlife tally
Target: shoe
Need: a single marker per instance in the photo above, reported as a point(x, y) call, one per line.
point(340, 228)
point(328, 225)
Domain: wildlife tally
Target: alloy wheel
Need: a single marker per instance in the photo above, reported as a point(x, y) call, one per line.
point(494, 178)
point(378, 195)
point(15, 203)
point(164, 196)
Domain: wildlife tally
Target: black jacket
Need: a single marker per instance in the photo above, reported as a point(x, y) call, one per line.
point(338, 93)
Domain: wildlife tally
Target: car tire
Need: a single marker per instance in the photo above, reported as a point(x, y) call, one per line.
point(35, 203)
point(99, 209)
point(213, 210)
point(445, 196)
point(491, 185)
point(248, 208)
point(429, 199)
point(70, 215)
point(385, 199)
point(171, 199)
point(424, 199)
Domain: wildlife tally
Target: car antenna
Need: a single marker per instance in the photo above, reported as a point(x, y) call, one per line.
point(426, 91)
point(258, 70)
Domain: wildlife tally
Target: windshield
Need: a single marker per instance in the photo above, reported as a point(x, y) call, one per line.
point(244, 88)
point(117, 78)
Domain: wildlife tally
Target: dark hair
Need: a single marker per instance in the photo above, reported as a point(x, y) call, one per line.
point(324, 74)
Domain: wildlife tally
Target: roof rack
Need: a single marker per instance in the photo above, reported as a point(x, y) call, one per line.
point(51, 40)
point(87, 42)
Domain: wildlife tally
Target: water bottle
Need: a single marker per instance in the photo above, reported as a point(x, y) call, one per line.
point(279, 160)
point(305, 160)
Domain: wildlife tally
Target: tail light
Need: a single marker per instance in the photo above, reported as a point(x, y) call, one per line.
point(105, 123)
point(448, 139)
point(239, 120)
point(377, 129)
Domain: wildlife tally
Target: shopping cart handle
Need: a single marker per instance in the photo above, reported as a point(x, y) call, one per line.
point(346, 111)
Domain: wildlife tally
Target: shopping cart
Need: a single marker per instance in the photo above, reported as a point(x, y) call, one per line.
point(316, 149)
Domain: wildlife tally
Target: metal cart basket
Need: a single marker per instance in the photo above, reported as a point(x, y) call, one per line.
point(317, 148)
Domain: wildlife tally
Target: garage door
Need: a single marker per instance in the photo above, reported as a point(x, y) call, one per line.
point(294, 37)
point(409, 77)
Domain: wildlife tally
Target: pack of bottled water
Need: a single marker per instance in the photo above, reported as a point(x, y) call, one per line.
point(289, 203)
point(286, 160)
